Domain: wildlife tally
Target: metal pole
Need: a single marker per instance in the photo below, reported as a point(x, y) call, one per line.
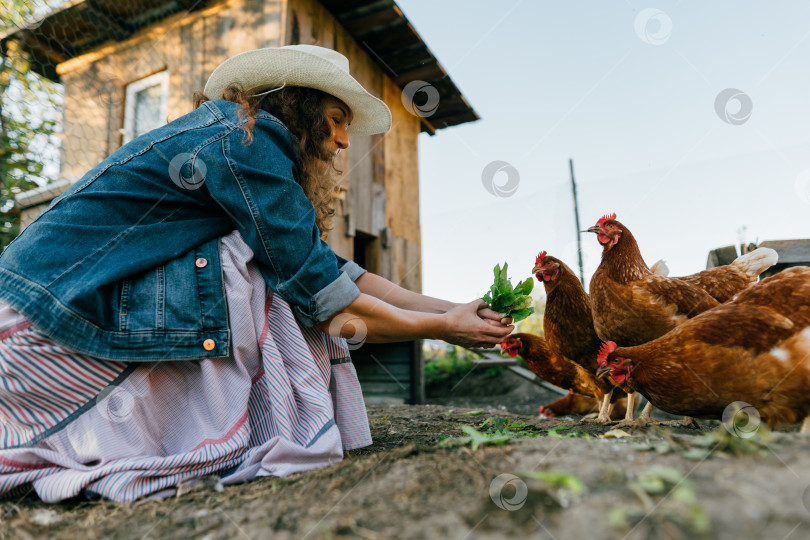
point(576, 217)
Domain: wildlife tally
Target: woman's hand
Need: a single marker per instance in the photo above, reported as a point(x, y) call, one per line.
point(486, 313)
point(475, 325)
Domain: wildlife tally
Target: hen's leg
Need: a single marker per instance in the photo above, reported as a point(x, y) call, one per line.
point(644, 417)
point(805, 426)
point(631, 409)
point(604, 410)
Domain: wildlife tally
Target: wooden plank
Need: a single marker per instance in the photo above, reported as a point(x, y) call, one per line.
point(790, 251)
point(372, 21)
point(377, 207)
point(385, 372)
point(388, 389)
point(192, 5)
point(387, 42)
point(386, 354)
point(111, 24)
point(359, 175)
point(441, 121)
point(721, 256)
point(423, 72)
point(408, 57)
point(402, 168)
point(418, 396)
point(349, 9)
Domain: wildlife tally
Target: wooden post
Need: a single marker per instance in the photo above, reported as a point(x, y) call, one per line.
point(576, 217)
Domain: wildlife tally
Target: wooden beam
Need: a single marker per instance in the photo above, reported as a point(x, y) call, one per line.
point(442, 122)
point(427, 72)
point(373, 22)
point(385, 43)
point(427, 127)
point(408, 58)
point(192, 5)
point(113, 27)
point(351, 9)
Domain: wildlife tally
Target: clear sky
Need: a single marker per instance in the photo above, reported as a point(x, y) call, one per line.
point(631, 96)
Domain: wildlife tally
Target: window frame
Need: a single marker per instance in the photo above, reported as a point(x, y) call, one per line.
point(160, 78)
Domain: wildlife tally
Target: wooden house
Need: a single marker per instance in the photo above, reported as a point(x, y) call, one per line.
point(128, 65)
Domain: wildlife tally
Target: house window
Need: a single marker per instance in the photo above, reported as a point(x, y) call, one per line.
point(146, 105)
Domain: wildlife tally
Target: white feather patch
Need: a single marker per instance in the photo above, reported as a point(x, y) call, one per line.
point(780, 354)
point(757, 261)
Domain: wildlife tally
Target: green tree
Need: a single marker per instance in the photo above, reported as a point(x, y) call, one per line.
point(30, 109)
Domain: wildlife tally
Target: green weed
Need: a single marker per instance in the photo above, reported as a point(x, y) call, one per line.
point(669, 506)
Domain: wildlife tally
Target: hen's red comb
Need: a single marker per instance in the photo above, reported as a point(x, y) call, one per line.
point(606, 217)
point(607, 348)
point(540, 257)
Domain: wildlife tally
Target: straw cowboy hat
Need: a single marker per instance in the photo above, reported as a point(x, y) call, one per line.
point(302, 65)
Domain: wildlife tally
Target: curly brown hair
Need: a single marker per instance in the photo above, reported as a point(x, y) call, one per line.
point(301, 110)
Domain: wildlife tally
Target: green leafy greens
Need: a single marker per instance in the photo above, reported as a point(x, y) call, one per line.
point(515, 302)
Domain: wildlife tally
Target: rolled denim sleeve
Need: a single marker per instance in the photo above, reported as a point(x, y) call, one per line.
point(256, 186)
point(350, 267)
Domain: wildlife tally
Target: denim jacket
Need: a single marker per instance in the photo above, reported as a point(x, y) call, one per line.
point(125, 264)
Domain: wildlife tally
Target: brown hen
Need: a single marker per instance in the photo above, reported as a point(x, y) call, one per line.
point(568, 322)
point(632, 306)
point(754, 349)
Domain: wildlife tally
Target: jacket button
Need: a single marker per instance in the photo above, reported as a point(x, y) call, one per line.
point(201, 263)
point(209, 344)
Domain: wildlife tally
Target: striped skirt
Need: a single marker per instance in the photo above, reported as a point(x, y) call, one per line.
point(287, 400)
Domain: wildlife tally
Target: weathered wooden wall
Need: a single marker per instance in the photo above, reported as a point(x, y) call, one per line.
point(381, 171)
point(382, 202)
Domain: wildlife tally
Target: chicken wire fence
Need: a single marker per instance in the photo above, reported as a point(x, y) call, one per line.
point(59, 118)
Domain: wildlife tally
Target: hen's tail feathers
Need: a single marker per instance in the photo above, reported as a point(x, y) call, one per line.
point(660, 268)
point(757, 261)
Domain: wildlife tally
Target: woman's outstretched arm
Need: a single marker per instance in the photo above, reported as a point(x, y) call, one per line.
point(374, 320)
point(391, 293)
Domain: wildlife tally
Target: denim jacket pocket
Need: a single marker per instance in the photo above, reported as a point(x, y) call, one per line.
point(143, 301)
point(185, 294)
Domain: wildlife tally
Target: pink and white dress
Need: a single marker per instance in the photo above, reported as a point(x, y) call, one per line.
point(286, 400)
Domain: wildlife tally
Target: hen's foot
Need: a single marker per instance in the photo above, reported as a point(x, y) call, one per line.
point(594, 418)
point(685, 422)
point(639, 422)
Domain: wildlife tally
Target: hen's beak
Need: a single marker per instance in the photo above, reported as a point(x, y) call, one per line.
point(537, 269)
point(503, 350)
point(602, 371)
point(594, 229)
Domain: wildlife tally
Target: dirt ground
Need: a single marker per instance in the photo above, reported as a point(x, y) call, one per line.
point(420, 479)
